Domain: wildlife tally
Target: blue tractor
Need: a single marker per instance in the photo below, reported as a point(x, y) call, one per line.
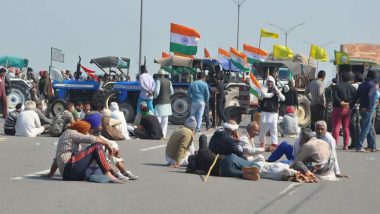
point(95, 89)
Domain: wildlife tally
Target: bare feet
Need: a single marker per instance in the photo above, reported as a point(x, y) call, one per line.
point(251, 173)
point(113, 179)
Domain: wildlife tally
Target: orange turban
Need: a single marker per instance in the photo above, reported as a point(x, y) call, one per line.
point(82, 127)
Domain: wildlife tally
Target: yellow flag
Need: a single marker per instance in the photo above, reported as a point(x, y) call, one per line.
point(265, 33)
point(318, 53)
point(341, 58)
point(281, 51)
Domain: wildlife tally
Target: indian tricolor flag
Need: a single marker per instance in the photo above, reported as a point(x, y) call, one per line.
point(239, 59)
point(183, 40)
point(254, 54)
point(223, 53)
point(254, 85)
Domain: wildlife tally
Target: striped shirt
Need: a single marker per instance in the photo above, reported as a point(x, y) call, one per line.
point(68, 144)
point(317, 92)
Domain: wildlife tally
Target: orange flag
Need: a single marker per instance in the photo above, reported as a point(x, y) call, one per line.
point(207, 54)
point(164, 54)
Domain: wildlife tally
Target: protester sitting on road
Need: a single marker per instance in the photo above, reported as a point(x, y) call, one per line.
point(73, 162)
point(10, 121)
point(322, 134)
point(86, 109)
point(28, 124)
point(289, 125)
point(62, 120)
point(109, 129)
point(149, 127)
point(247, 141)
point(44, 120)
point(180, 144)
point(118, 115)
point(314, 153)
point(225, 140)
point(78, 107)
point(234, 166)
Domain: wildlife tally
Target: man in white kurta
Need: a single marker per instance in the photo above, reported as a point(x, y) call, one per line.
point(28, 123)
point(270, 96)
point(162, 93)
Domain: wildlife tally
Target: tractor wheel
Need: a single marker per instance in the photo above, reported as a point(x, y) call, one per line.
point(303, 112)
point(58, 106)
point(125, 107)
point(377, 120)
point(234, 113)
point(328, 112)
point(181, 107)
point(18, 94)
point(232, 96)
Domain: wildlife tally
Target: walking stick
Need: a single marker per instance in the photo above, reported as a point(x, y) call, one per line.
point(212, 166)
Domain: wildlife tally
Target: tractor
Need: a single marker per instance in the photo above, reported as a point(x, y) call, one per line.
point(285, 70)
point(20, 88)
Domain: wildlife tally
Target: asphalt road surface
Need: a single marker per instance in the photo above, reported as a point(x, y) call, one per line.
point(161, 189)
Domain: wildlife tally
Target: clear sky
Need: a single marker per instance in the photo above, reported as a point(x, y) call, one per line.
point(95, 28)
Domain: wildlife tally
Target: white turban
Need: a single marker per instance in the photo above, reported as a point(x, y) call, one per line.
point(232, 127)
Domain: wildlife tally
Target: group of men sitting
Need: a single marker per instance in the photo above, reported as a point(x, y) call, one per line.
point(231, 154)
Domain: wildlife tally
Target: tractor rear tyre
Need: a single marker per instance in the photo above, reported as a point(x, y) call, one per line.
point(57, 107)
point(303, 112)
point(18, 94)
point(181, 108)
point(328, 112)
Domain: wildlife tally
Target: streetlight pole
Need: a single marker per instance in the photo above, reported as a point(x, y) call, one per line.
point(287, 31)
point(141, 23)
point(238, 4)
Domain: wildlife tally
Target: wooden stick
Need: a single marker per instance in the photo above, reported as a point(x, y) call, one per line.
point(212, 166)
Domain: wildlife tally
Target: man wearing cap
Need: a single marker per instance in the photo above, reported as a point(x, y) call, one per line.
point(270, 96)
point(10, 122)
point(28, 124)
point(180, 144)
point(225, 140)
point(149, 127)
point(162, 93)
point(147, 86)
point(289, 125)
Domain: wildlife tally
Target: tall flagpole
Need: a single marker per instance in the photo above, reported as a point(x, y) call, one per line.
point(238, 4)
point(141, 23)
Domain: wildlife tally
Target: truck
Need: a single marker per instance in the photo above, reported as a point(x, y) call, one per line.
point(362, 57)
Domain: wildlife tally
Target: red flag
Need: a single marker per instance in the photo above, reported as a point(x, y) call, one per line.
point(87, 70)
point(90, 73)
point(207, 54)
point(165, 55)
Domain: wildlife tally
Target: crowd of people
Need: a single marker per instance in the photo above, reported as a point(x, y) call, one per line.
point(229, 153)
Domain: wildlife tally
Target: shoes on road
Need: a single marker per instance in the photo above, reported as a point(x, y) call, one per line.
point(130, 175)
point(361, 150)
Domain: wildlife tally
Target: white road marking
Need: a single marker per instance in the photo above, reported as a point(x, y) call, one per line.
point(34, 174)
point(153, 147)
point(292, 185)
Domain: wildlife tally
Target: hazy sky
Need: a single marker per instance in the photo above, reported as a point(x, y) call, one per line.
point(95, 28)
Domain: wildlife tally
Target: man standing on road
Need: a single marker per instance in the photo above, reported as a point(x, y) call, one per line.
point(355, 115)
point(147, 87)
point(199, 94)
point(162, 93)
point(367, 107)
point(3, 93)
point(315, 91)
point(271, 97)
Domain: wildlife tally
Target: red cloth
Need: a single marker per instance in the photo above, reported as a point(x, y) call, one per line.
point(90, 73)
